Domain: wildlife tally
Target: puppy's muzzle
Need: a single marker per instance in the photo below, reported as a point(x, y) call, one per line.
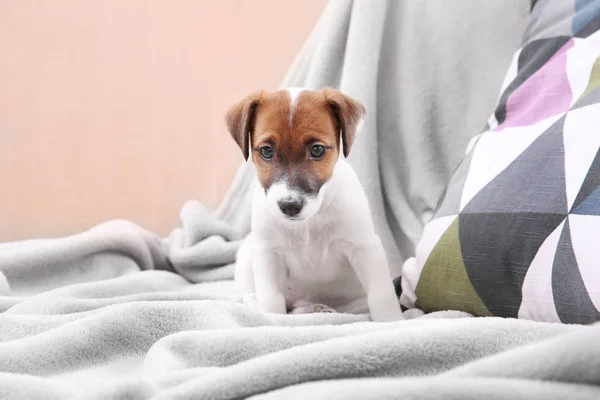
point(291, 207)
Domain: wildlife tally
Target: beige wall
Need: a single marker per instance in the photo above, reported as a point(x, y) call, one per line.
point(114, 108)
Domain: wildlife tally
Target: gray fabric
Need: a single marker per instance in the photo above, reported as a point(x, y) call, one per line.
point(153, 335)
point(203, 249)
point(119, 313)
point(429, 74)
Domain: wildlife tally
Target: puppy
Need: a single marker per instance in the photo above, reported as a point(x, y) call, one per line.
point(312, 246)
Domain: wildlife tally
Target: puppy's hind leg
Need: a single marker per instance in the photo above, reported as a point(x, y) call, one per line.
point(303, 307)
point(244, 274)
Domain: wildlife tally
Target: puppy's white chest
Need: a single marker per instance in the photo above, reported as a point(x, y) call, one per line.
point(313, 257)
point(318, 271)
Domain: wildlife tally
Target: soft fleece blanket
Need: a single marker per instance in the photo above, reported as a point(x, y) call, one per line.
point(136, 332)
point(118, 312)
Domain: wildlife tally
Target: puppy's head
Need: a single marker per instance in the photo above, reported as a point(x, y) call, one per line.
point(293, 137)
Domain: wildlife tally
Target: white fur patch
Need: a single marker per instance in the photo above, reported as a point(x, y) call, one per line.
point(280, 190)
point(294, 93)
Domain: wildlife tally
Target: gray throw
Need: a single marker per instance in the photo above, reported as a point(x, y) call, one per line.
point(118, 312)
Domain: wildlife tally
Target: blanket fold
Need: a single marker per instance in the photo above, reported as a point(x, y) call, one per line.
point(118, 312)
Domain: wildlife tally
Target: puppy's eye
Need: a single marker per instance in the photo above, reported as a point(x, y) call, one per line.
point(266, 152)
point(317, 151)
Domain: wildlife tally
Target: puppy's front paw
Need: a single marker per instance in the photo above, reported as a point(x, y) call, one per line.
point(388, 313)
point(389, 317)
point(249, 299)
point(273, 303)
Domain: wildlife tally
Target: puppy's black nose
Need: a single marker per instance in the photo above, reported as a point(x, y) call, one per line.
point(291, 207)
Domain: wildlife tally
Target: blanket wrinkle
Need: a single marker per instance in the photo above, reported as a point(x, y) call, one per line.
point(438, 388)
point(574, 358)
point(186, 349)
point(31, 267)
point(204, 248)
point(119, 312)
point(381, 353)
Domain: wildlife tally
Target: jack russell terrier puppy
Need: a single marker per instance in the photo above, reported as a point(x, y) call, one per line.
point(312, 246)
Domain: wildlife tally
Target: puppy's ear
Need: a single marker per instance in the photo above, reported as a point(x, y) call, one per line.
point(347, 113)
point(240, 120)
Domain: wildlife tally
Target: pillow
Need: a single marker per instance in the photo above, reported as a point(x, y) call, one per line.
point(517, 233)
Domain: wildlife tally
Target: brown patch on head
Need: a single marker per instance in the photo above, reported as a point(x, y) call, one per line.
point(318, 119)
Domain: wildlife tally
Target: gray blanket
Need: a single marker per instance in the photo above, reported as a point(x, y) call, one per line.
point(119, 313)
point(135, 332)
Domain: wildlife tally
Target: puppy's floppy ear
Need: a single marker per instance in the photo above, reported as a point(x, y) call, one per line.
point(346, 113)
point(240, 120)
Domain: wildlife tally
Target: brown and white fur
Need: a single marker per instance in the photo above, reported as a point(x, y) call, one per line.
point(312, 247)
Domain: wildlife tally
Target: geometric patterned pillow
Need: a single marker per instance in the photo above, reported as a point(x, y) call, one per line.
point(517, 233)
